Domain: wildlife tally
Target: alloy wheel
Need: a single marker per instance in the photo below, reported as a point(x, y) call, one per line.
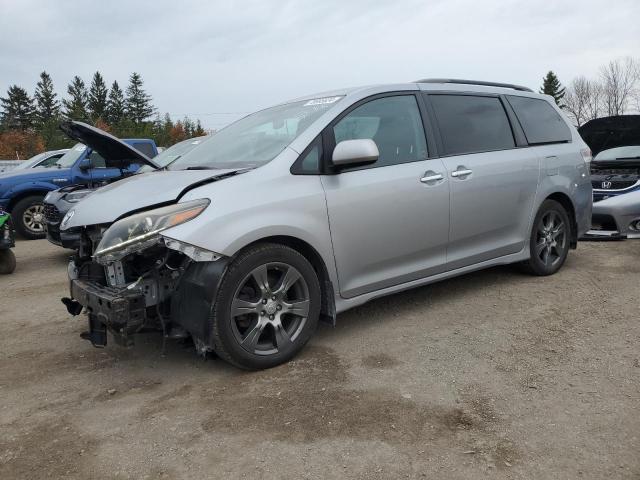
point(33, 218)
point(270, 308)
point(551, 238)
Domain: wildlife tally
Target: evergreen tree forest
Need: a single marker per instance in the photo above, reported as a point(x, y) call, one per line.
point(29, 122)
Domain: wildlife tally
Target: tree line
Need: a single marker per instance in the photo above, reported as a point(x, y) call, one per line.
point(614, 91)
point(29, 123)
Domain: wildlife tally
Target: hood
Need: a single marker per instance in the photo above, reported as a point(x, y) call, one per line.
point(138, 192)
point(610, 132)
point(115, 152)
point(38, 173)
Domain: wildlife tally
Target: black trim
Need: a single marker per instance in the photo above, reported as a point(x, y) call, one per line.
point(516, 127)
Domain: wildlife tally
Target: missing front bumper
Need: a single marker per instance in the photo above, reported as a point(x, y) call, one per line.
point(119, 310)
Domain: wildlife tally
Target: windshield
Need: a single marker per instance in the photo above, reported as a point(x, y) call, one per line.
point(172, 153)
point(30, 162)
point(69, 158)
point(631, 151)
point(256, 139)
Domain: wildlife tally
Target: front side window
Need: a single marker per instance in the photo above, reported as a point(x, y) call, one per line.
point(145, 148)
point(539, 120)
point(394, 123)
point(471, 124)
point(97, 161)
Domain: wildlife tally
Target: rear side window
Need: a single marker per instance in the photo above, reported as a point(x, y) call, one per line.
point(539, 120)
point(471, 124)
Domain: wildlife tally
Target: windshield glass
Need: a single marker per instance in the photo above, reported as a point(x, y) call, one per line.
point(69, 158)
point(256, 139)
point(172, 153)
point(632, 151)
point(31, 162)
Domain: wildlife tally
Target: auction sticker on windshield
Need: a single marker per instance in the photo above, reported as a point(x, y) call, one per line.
point(322, 101)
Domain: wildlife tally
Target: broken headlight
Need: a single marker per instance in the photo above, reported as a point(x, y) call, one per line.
point(142, 230)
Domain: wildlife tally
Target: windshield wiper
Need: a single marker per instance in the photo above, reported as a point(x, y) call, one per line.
point(200, 167)
point(628, 158)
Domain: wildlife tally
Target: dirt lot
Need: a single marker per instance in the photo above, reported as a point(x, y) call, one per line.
point(492, 375)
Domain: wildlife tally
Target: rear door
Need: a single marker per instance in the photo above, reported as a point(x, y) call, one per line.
point(492, 182)
point(390, 220)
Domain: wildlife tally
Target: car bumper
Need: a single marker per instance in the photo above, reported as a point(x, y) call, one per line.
point(615, 218)
point(62, 238)
point(4, 203)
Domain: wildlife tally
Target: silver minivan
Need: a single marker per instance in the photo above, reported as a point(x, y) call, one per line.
point(301, 211)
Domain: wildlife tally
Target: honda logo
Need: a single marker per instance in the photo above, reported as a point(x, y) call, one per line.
point(606, 185)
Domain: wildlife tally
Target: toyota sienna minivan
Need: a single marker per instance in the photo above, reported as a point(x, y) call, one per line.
point(301, 211)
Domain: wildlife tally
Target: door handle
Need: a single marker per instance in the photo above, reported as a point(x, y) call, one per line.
point(430, 177)
point(461, 172)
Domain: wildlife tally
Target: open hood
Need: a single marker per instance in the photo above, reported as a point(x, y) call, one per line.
point(611, 132)
point(138, 192)
point(115, 152)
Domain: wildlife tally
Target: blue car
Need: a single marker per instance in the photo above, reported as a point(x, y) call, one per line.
point(22, 192)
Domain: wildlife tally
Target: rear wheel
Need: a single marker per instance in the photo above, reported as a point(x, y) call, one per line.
point(7, 261)
point(267, 307)
point(550, 239)
point(28, 217)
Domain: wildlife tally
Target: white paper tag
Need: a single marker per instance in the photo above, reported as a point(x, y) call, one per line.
point(322, 101)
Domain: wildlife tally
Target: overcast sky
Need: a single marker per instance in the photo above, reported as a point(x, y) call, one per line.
point(209, 58)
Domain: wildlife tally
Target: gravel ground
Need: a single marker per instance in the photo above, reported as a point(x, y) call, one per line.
point(491, 375)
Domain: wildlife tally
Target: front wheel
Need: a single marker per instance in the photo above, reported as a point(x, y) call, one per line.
point(550, 239)
point(28, 215)
point(267, 307)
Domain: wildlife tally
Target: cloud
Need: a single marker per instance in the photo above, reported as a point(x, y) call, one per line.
point(207, 59)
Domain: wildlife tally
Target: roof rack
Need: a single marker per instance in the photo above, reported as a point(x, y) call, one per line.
point(474, 82)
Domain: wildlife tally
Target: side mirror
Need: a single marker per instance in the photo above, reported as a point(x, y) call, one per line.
point(85, 164)
point(349, 153)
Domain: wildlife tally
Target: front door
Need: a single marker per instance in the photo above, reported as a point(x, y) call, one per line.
point(389, 221)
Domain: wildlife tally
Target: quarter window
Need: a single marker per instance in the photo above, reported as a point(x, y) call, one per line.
point(394, 123)
point(471, 123)
point(540, 121)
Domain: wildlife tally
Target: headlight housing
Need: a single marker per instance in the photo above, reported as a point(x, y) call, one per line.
point(74, 197)
point(142, 230)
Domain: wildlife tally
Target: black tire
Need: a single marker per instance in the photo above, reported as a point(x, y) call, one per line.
point(272, 331)
point(7, 261)
point(23, 228)
point(550, 240)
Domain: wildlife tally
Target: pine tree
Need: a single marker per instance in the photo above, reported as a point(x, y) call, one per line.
point(188, 127)
point(115, 105)
point(552, 86)
point(199, 131)
point(75, 108)
point(47, 105)
point(98, 98)
point(139, 106)
point(18, 111)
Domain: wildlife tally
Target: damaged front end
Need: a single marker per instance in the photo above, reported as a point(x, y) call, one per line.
point(130, 277)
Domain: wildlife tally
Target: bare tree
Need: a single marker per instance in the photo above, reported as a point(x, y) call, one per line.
point(583, 100)
point(619, 78)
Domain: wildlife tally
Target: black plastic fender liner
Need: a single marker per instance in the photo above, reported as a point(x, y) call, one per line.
point(193, 299)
